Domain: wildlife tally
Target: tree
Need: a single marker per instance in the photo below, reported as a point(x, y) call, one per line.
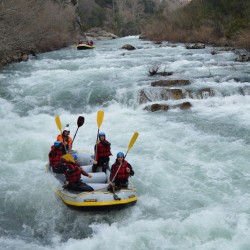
point(34, 24)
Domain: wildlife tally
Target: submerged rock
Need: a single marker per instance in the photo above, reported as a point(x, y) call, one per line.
point(185, 105)
point(243, 58)
point(157, 107)
point(203, 93)
point(195, 46)
point(128, 47)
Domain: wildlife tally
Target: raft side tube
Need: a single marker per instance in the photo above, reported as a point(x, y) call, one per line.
point(99, 177)
point(87, 169)
point(84, 159)
point(99, 186)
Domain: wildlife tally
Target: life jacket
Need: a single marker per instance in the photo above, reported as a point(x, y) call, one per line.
point(55, 157)
point(103, 151)
point(74, 176)
point(67, 141)
point(123, 174)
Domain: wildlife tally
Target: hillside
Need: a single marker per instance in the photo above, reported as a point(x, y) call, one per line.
point(32, 26)
point(174, 4)
point(221, 22)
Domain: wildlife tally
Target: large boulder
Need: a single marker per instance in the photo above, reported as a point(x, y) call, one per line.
point(156, 107)
point(203, 93)
point(147, 95)
point(169, 83)
point(164, 94)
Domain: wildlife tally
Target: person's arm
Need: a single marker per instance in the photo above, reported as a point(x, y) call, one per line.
point(131, 171)
point(111, 173)
point(85, 173)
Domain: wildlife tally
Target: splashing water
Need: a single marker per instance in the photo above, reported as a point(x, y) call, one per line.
point(191, 167)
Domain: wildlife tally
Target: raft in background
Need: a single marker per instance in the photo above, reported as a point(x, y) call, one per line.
point(84, 46)
point(100, 198)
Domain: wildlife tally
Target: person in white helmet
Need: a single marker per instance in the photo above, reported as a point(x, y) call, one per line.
point(65, 139)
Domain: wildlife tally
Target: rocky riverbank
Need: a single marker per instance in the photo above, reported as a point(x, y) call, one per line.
point(23, 54)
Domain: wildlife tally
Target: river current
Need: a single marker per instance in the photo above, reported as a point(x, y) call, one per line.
point(192, 170)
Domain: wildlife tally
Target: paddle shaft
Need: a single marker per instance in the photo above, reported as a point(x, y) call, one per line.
point(131, 143)
point(80, 122)
point(96, 143)
point(74, 135)
point(99, 120)
point(119, 168)
point(59, 126)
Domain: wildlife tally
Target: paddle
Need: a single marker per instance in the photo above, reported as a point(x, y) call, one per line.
point(132, 141)
point(80, 122)
point(58, 123)
point(59, 126)
point(99, 120)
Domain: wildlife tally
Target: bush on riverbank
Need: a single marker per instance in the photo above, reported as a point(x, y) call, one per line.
point(222, 22)
point(34, 25)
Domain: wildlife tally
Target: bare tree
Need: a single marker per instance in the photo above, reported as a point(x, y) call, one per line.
point(39, 24)
point(128, 16)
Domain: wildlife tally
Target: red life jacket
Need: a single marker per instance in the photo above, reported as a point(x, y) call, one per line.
point(123, 174)
point(55, 155)
point(103, 151)
point(75, 176)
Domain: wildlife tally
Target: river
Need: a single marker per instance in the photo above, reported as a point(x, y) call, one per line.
point(191, 167)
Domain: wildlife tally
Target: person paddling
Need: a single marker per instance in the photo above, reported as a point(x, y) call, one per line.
point(73, 172)
point(102, 152)
point(121, 170)
point(65, 139)
point(55, 157)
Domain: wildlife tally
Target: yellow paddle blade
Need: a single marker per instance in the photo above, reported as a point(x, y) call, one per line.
point(132, 141)
point(68, 157)
point(99, 118)
point(58, 123)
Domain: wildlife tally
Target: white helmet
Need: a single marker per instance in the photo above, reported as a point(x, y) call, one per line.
point(66, 128)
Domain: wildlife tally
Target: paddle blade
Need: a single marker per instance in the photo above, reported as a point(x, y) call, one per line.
point(58, 123)
point(133, 139)
point(68, 157)
point(99, 118)
point(80, 121)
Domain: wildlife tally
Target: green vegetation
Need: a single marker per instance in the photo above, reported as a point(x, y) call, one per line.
point(40, 25)
point(122, 17)
point(31, 26)
point(212, 21)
